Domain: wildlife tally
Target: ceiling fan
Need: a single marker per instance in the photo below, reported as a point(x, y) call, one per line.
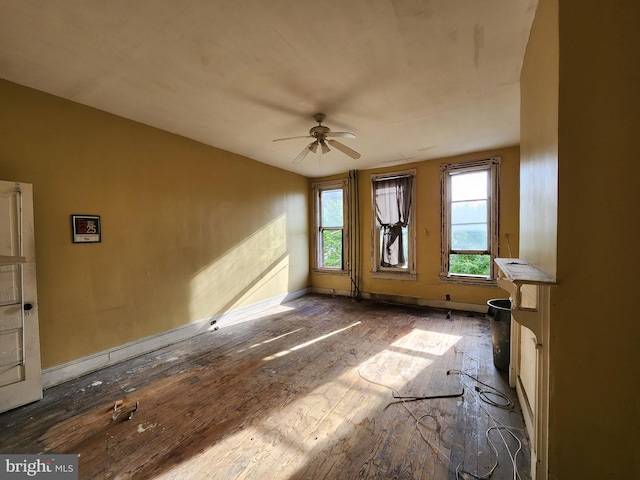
point(320, 134)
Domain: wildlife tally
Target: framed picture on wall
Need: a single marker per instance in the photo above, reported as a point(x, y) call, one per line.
point(86, 228)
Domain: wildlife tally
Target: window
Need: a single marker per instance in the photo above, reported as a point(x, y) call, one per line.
point(393, 232)
point(330, 234)
point(469, 221)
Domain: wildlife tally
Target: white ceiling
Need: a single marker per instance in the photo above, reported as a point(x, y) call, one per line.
point(413, 79)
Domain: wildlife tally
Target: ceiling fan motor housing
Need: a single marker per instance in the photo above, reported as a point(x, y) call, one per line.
point(319, 131)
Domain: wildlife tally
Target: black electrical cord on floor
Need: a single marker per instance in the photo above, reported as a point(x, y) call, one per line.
point(460, 472)
point(499, 427)
point(507, 403)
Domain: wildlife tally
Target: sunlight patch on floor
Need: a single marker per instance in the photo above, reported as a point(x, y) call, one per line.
point(231, 319)
point(282, 353)
point(433, 343)
point(283, 442)
point(265, 342)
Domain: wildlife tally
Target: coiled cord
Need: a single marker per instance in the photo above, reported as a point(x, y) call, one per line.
point(505, 402)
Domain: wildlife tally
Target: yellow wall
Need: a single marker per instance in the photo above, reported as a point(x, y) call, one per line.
point(539, 142)
point(189, 231)
point(594, 408)
point(427, 216)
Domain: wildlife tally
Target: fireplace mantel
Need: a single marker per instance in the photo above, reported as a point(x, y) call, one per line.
point(521, 280)
point(529, 291)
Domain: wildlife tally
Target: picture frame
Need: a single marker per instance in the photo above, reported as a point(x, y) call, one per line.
point(86, 228)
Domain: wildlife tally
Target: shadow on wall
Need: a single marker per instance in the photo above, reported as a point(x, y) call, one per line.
point(254, 269)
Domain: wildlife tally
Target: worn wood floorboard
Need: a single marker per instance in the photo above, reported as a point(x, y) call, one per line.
point(305, 391)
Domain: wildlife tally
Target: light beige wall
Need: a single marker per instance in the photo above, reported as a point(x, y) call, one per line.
point(189, 231)
point(539, 190)
point(594, 411)
point(539, 141)
point(427, 216)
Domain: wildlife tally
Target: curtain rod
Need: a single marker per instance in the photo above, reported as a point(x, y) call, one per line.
point(395, 177)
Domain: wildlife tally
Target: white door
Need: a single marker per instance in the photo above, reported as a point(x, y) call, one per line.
point(20, 376)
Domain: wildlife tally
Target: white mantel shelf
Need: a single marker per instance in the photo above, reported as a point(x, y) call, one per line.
point(514, 274)
point(520, 272)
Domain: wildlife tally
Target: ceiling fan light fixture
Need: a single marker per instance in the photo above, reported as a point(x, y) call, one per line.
point(319, 135)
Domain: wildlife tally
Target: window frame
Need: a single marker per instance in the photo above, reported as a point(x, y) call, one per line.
point(393, 273)
point(447, 170)
point(318, 257)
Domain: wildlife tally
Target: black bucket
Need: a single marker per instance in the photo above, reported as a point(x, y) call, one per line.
point(500, 315)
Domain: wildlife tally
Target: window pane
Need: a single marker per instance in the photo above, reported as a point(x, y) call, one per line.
point(469, 237)
point(464, 264)
point(405, 245)
point(469, 186)
point(331, 211)
point(332, 248)
point(469, 212)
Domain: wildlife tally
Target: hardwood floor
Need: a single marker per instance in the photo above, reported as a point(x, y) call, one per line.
point(305, 391)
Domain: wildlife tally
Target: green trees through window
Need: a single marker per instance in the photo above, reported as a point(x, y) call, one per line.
point(468, 264)
point(332, 248)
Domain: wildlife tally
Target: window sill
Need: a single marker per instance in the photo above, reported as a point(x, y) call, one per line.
point(469, 280)
point(389, 275)
point(330, 271)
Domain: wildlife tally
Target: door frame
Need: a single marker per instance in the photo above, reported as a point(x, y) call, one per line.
point(22, 257)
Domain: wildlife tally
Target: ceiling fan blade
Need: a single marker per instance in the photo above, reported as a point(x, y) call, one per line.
point(291, 138)
point(344, 149)
point(340, 134)
point(303, 153)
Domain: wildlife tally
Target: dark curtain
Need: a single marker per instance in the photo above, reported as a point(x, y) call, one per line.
point(393, 209)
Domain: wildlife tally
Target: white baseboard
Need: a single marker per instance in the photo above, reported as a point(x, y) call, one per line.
point(81, 366)
point(332, 292)
point(76, 368)
point(406, 300)
point(428, 302)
